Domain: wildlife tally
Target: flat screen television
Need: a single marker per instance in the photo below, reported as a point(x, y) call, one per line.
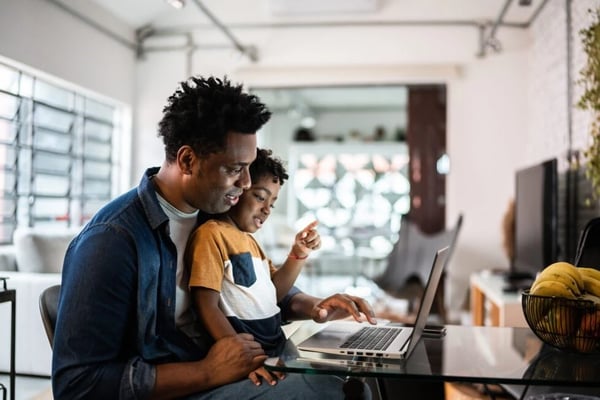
point(536, 219)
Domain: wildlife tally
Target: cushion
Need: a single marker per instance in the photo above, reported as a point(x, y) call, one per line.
point(41, 250)
point(7, 258)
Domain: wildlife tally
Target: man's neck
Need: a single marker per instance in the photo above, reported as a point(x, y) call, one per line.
point(165, 182)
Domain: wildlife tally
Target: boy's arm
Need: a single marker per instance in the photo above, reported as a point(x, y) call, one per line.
point(305, 242)
point(285, 276)
point(206, 303)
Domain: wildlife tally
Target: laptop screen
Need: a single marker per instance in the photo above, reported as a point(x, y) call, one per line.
point(428, 296)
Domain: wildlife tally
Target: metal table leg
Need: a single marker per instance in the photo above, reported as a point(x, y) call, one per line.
point(9, 295)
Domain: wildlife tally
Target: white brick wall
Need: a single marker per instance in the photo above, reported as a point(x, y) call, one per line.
point(548, 91)
point(581, 120)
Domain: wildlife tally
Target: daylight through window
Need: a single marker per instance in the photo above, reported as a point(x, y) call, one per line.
point(58, 155)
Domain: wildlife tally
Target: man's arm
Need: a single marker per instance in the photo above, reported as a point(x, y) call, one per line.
point(228, 360)
point(97, 303)
point(303, 306)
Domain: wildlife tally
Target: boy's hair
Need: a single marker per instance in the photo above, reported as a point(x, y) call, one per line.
point(201, 113)
point(267, 165)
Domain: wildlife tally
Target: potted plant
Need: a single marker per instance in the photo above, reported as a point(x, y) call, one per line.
point(590, 99)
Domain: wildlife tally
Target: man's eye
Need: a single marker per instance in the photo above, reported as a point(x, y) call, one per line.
point(259, 197)
point(235, 170)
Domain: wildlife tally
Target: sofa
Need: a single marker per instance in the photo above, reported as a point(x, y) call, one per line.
point(32, 263)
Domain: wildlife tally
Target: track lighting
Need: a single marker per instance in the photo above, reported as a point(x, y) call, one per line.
point(178, 4)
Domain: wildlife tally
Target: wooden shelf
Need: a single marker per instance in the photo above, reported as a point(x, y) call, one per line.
point(490, 305)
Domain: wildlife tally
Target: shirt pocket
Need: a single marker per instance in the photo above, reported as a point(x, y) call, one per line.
point(242, 267)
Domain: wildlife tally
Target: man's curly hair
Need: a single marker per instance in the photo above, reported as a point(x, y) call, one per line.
point(267, 165)
point(201, 113)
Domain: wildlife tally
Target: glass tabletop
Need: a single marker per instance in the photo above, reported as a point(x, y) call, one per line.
point(465, 353)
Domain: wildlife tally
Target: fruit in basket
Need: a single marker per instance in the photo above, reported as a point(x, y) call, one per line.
point(544, 328)
point(590, 297)
point(564, 319)
point(552, 288)
point(591, 272)
point(536, 313)
point(584, 344)
point(561, 311)
point(591, 280)
point(559, 279)
point(558, 324)
point(590, 324)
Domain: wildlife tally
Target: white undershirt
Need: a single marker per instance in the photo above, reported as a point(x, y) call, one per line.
point(180, 226)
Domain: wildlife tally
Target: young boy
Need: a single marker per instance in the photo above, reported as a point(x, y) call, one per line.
point(235, 288)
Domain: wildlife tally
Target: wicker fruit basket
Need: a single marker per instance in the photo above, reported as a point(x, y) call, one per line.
point(566, 324)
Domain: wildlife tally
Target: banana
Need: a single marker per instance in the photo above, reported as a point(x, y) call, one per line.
point(563, 272)
point(591, 285)
point(591, 280)
point(591, 297)
point(552, 288)
point(570, 269)
point(559, 274)
point(590, 272)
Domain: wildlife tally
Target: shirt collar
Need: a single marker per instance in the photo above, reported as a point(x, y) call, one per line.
point(147, 194)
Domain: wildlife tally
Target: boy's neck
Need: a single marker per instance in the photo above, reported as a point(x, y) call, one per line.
point(226, 218)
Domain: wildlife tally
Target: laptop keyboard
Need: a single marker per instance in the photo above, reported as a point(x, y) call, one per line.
point(371, 338)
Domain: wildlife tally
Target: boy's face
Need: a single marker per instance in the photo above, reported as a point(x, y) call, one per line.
point(255, 204)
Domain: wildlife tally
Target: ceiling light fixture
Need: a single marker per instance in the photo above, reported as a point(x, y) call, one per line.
point(178, 4)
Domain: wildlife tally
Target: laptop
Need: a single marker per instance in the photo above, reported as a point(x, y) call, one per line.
point(351, 338)
point(418, 363)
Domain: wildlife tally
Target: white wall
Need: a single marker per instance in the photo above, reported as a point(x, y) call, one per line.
point(39, 34)
point(487, 119)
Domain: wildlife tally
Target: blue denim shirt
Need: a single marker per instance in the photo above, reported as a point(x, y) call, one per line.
point(117, 303)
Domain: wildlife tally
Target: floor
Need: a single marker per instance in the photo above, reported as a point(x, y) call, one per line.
point(27, 388)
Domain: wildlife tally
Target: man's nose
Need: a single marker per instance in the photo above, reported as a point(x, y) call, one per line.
point(245, 181)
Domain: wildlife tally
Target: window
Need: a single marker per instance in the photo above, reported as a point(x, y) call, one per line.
point(58, 153)
point(357, 192)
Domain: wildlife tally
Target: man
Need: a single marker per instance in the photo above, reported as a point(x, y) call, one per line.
point(121, 309)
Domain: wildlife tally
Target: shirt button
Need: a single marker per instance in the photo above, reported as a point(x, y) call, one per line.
point(169, 302)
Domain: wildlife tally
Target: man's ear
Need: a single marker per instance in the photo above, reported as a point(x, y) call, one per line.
point(186, 157)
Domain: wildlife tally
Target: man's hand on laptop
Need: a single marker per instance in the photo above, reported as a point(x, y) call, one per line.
point(342, 305)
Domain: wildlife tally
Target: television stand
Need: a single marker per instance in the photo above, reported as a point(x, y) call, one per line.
point(491, 305)
point(518, 276)
point(517, 286)
point(516, 282)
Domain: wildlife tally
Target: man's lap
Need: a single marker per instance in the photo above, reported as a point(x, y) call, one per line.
point(294, 386)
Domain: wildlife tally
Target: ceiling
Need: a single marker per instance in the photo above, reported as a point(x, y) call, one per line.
point(160, 20)
point(316, 99)
point(138, 13)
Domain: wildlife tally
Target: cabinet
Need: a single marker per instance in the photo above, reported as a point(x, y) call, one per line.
point(490, 305)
